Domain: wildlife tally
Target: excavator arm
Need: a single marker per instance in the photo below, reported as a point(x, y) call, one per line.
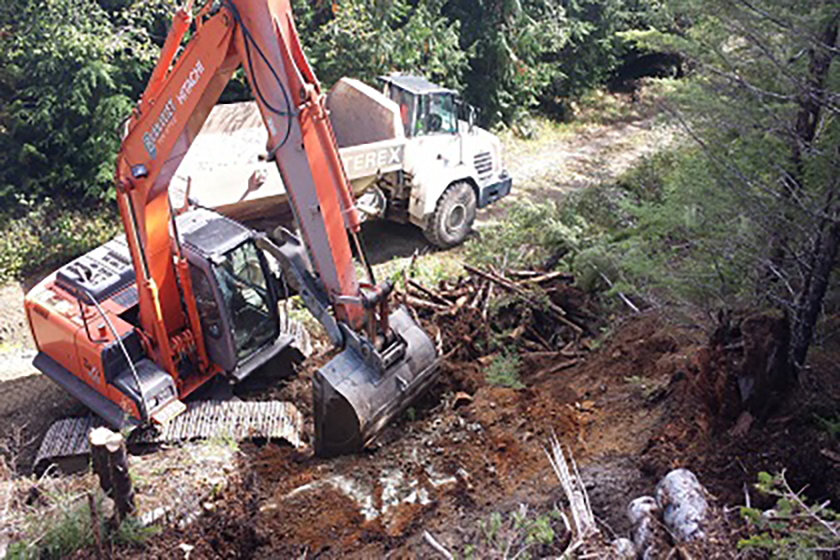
point(387, 359)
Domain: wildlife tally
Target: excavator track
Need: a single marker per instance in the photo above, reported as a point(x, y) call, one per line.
point(66, 442)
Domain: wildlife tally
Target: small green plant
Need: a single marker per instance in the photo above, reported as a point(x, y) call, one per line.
point(830, 425)
point(411, 414)
point(57, 535)
point(518, 534)
point(223, 440)
point(133, 533)
point(793, 529)
point(503, 371)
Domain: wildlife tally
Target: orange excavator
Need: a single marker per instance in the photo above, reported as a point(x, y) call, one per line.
point(135, 326)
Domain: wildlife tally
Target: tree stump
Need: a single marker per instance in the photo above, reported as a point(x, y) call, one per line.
point(99, 458)
point(110, 462)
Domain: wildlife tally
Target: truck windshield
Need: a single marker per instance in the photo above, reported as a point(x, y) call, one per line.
point(437, 114)
point(245, 293)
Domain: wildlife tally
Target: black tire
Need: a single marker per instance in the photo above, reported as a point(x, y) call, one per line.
point(453, 217)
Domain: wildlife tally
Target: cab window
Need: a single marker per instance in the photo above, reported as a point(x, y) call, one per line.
point(437, 114)
point(406, 102)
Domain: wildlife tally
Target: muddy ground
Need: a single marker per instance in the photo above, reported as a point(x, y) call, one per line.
point(632, 410)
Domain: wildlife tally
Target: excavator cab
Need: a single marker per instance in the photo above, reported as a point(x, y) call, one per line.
point(235, 293)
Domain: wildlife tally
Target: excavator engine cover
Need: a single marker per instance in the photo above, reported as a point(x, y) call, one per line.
point(355, 395)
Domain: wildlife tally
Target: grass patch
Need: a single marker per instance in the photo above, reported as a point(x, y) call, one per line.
point(67, 528)
point(503, 371)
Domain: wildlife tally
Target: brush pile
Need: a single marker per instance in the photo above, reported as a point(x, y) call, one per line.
point(536, 314)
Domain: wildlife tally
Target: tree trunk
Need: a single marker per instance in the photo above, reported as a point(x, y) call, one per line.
point(811, 101)
point(110, 462)
point(823, 253)
point(810, 303)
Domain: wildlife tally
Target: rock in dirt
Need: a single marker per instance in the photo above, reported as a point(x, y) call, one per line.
point(649, 536)
point(624, 549)
point(683, 502)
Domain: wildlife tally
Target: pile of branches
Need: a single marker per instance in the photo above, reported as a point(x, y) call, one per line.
point(534, 312)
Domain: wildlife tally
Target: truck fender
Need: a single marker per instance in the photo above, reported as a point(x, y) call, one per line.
point(428, 188)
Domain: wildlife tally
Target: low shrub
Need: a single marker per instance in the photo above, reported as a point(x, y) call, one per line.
point(48, 235)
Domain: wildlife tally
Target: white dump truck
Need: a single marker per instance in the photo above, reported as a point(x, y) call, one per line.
point(407, 153)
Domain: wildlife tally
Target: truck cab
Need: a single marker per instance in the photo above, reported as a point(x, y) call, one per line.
point(453, 166)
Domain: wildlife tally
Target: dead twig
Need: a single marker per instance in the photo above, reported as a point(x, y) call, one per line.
point(439, 548)
point(414, 301)
point(431, 294)
point(558, 312)
point(621, 295)
point(557, 367)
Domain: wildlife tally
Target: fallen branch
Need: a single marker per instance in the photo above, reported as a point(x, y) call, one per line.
point(524, 273)
point(547, 277)
point(439, 548)
point(621, 295)
point(431, 294)
point(414, 301)
point(558, 312)
point(573, 487)
point(557, 367)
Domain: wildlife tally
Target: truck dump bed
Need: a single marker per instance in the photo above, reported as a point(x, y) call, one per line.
point(223, 170)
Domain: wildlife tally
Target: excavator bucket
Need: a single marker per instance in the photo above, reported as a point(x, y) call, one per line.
point(357, 393)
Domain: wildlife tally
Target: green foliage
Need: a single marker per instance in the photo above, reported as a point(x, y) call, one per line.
point(67, 528)
point(48, 235)
point(503, 371)
point(132, 532)
point(69, 71)
point(530, 53)
point(519, 534)
point(368, 38)
point(753, 197)
point(793, 529)
point(529, 234)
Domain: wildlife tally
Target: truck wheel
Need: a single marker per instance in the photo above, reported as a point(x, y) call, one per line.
point(453, 217)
